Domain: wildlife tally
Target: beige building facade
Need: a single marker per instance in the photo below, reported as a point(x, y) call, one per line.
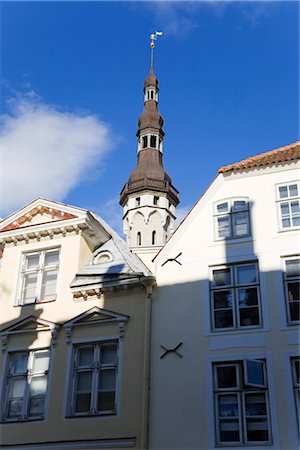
point(75, 315)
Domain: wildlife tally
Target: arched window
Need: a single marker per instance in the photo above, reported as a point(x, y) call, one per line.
point(145, 141)
point(153, 237)
point(152, 95)
point(139, 238)
point(153, 141)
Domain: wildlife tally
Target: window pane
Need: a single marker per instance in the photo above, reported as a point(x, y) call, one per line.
point(239, 205)
point(284, 207)
point(85, 356)
point(223, 226)
point(293, 291)
point(221, 277)
point(293, 188)
point(247, 297)
point(227, 377)
point(286, 223)
point(15, 408)
point(36, 406)
point(107, 379)
point(40, 361)
point(229, 431)
point(48, 284)
point(249, 317)
point(51, 258)
point(84, 381)
point(106, 401)
point(82, 403)
point(223, 319)
point(29, 293)
point(240, 224)
point(16, 388)
point(222, 207)
point(255, 405)
point(254, 373)
point(257, 430)
point(222, 299)
point(283, 192)
point(38, 386)
point(228, 406)
point(296, 221)
point(293, 267)
point(32, 261)
point(294, 311)
point(296, 363)
point(108, 353)
point(295, 208)
point(246, 274)
point(18, 364)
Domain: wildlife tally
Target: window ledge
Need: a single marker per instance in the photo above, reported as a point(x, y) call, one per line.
point(232, 241)
point(237, 332)
point(40, 302)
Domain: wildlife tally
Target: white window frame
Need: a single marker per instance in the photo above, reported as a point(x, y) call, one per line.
point(234, 287)
point(296, 387)
point(29, 376)
point(286, 281)
point(95, 368)
point(39, 270)
point(240, 391)
point(288, 200)
point(231, 213)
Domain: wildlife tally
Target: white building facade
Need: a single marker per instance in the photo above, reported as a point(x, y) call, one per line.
point(225, 318)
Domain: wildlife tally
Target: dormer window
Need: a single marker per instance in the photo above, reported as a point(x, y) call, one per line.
point(39, 276)
point(232, 219)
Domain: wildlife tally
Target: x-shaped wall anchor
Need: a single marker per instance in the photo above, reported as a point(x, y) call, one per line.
point(171, 350)
point(173, 259)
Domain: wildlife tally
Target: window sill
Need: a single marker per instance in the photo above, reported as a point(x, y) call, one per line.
point(238, 331)
point(31, 419)
point(83, 416)
point(285, 230)
point(231, 241)
point(39, 302)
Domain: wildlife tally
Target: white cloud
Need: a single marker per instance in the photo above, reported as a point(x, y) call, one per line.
point(46, 151)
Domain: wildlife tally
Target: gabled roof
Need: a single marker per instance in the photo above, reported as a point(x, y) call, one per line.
point(287, 153)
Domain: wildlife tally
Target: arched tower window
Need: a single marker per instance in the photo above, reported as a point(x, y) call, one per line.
point(145, 141)
point(139, 238)
point(153, 237)
point(153, 141)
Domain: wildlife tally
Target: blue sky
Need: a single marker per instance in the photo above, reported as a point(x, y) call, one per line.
point(72, 79)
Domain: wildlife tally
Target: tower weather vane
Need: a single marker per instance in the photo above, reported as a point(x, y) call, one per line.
point(153, 37)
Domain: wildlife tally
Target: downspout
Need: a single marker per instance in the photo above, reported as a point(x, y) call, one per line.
point(148, 283)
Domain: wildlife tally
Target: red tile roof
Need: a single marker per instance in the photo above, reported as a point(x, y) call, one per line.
point(282, 154)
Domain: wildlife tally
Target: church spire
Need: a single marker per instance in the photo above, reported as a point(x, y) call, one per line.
point(149, 199)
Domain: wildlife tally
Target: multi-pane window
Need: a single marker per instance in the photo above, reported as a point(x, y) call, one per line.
point(296, 383)
point(241, 403)
point(292, 288)
point(289, 205)
point(235, 300)
point(93, 389)
point(26, 385)
point(232, 219)
point(39, 276)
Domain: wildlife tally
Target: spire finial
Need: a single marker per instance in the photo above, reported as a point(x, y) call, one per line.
point(153, 37)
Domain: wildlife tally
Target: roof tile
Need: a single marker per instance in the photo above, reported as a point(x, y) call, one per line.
point(282, 154)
